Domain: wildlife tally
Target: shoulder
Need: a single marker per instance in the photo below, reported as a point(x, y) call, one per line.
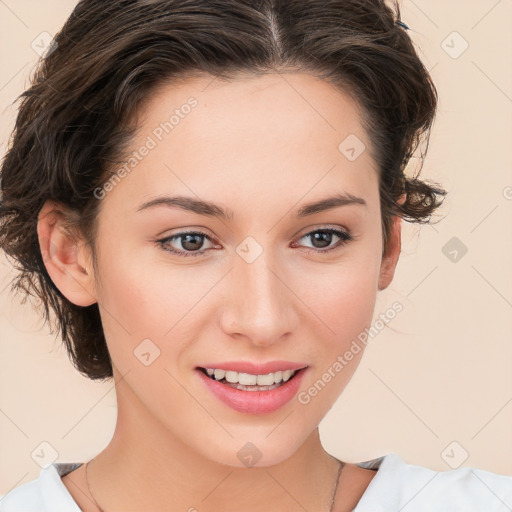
point(47, 493)
point(398, 485)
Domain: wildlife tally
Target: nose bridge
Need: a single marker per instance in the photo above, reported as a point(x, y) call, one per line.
point(260, 306)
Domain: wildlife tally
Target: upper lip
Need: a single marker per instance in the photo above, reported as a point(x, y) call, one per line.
point(254, 368)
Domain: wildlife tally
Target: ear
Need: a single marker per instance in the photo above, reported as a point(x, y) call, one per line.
point(390, 259)
point(66, 256)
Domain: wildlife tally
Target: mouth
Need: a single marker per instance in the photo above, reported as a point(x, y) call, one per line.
point(248, 381)
point(253, 393)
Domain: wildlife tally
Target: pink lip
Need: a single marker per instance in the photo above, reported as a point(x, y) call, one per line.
point(256, 369)
point(254, 402)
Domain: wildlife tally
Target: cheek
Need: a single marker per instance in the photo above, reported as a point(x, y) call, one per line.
point(341, 305)
point(341, 296)
point(345, 310)
point(144, 298)
point(140, 292)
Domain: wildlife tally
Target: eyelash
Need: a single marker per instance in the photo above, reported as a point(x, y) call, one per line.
point(345, 237)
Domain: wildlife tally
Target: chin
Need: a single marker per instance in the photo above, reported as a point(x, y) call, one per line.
point(258, 450)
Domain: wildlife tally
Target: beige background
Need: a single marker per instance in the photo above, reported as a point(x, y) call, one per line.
point(441, 373)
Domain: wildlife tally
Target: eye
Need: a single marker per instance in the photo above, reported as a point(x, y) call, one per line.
point(324, 237)
point(190, 242)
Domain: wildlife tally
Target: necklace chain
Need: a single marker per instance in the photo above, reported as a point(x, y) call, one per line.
point(332, 499)
point(88, 487)
point(333, 495)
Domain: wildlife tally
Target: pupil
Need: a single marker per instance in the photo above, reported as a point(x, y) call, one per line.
point(186, 241)
point(323, 237)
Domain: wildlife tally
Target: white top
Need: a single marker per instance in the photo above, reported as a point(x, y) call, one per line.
point(397, 486)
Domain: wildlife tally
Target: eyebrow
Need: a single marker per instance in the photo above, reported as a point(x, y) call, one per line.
point(211, 209)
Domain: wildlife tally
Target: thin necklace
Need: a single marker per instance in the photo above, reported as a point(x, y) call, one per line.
point(333, 495)
point(332, 499)
point(88, 487)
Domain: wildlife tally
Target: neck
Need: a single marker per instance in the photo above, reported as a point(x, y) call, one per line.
point(145, 467)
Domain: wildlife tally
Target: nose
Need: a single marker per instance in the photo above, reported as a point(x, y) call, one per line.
point(260, 304)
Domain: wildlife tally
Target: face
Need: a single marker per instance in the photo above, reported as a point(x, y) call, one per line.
point(182, 287)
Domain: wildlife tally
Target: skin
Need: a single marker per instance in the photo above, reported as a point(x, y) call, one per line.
point(261, 147)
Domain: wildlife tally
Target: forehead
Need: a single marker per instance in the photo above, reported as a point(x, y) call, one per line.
point(277, 135)
point(302, 105)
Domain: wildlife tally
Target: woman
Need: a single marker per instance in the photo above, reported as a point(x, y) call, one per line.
point(210, 196)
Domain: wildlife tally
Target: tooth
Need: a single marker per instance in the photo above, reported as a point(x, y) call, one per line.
point(287, 374)
point(265, 380)
point(219, 374)
point(247, 379)
point(232, 376)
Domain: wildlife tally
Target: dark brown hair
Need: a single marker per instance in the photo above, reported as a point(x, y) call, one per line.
point(76, 119)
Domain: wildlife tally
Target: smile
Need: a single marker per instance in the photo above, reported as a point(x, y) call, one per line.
point(252, 393)
point(248, 381)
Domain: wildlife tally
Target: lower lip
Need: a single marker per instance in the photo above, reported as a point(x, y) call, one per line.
point(254, 402)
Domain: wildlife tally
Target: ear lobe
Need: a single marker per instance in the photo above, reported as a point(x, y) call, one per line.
point(65, 257)
point(390, 259)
